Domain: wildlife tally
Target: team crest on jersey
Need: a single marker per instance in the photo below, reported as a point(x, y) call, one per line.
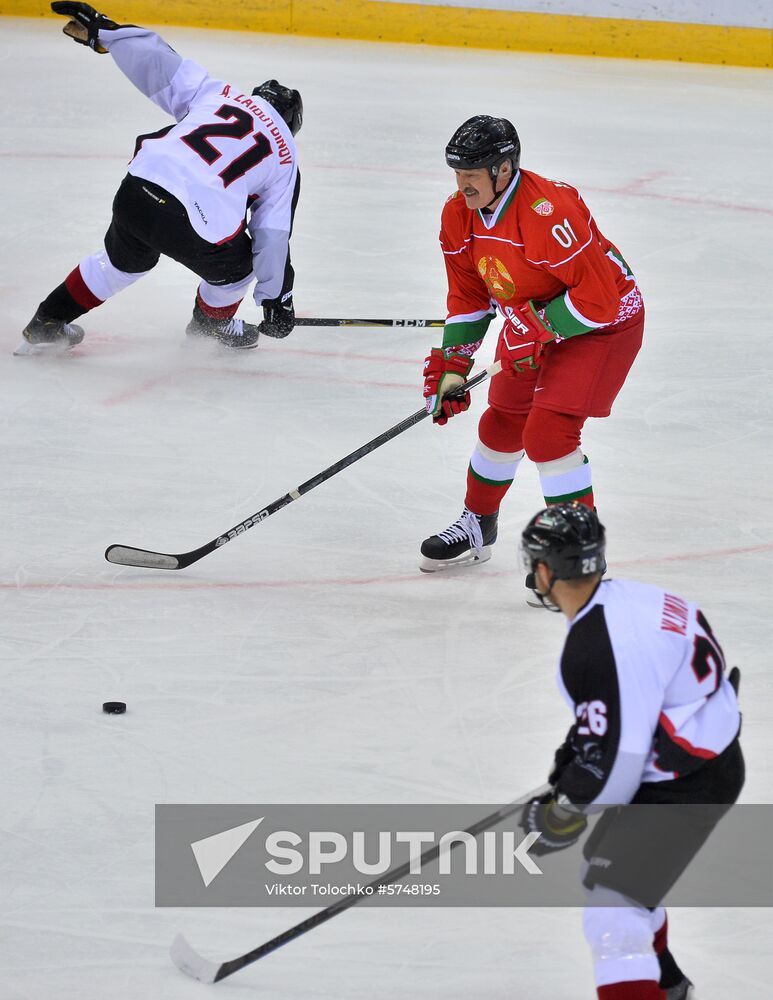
point(497, 277)
point(543, 207)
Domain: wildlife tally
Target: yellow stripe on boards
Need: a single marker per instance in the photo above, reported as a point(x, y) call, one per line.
point(229, 15)
point(497, 29)
point(376, 20)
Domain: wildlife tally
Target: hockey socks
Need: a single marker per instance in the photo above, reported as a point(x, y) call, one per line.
point(489, 476)
point(641, 989)
point(69, 300)
point(86, 287)
point(495, 460)
point(670, 973)
point(216, 312)
point(551, 440)
point(567, 478)
point(222, 301)
point(97, 278)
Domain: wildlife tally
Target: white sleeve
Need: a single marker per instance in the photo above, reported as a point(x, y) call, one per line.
point(616, 711)
point(155, 68)
point(269, 226)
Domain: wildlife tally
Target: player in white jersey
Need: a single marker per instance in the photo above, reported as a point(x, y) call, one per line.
point(187, 194)
point(656, 723)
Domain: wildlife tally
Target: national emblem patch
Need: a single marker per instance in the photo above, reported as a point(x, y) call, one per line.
point(543, 207)
point(498, 279)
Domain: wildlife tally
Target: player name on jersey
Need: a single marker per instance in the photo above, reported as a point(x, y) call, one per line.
point(283, 150)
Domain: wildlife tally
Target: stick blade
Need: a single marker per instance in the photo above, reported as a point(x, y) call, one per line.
point(191, 963)
point(125, 555)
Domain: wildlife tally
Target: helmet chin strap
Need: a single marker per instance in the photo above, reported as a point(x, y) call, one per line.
point(494, 176)
point(497, 195)
point(544, 599)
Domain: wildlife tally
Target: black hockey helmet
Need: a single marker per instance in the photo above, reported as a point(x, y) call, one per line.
point(483, 142)
point(286, 101)
point(568, 538)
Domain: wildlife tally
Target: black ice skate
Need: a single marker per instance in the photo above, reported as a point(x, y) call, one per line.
point(48, 336)
point(230, 332)
point(682, 991)
point(467, 540)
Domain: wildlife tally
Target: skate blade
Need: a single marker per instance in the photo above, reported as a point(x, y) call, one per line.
point(56, 350)
point(195, 340)
point(466, 559)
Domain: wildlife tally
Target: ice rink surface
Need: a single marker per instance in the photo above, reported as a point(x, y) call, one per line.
point(309, 661)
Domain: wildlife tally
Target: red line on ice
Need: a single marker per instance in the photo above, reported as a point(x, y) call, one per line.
point(175, 583)
point(138, 390)
point(717, 554)
point(627, 189)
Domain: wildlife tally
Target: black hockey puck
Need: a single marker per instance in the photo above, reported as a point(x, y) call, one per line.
point(114, 707)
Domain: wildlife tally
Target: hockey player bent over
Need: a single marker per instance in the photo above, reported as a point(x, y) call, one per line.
point(187, 194)
point(528, 248)
point(656, 723)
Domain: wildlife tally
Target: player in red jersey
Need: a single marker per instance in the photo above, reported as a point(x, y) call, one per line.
point(528, 248)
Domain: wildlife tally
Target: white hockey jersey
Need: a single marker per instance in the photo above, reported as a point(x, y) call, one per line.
point(227, 151)
point(645, 678)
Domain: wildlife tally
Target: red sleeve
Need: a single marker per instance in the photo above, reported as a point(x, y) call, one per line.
point(570, 246)
point(469, 308)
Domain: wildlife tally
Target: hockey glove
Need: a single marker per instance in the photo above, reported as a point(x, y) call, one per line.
point(523, 339)
point(445, 371)
point(563, 758)
point(558, 828)
point(85, 23)
point(278, 318)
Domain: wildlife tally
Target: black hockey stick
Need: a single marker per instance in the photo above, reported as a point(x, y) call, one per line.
point(192, 964)
point(126, 555)
point(305, 321)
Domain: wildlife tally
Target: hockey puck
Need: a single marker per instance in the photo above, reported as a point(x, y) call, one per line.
point(114, 707)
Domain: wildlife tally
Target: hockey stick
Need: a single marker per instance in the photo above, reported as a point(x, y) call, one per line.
point(126, 555)
point(192, 964)
point(304, 321)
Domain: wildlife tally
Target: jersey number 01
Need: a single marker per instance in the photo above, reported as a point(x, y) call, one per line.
point(244, 124)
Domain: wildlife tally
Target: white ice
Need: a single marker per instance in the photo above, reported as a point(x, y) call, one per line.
point(309, 660)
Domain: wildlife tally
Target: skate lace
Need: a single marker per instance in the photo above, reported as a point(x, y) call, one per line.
point(465, 528)
point(234, 328)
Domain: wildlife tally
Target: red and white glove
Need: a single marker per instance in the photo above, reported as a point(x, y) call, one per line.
point(523, 339)
point(444, 372)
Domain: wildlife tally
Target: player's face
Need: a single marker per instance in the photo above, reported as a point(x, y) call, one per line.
point(476, 186)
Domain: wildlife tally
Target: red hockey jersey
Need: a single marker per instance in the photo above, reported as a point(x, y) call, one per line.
point(540, 244)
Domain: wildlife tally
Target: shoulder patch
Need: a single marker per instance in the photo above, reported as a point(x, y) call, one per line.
point(543, 207)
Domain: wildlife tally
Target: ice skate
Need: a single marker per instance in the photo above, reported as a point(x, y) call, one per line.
point(682, 991)
point(48, 336)
point(230, 332)
point(467, 540)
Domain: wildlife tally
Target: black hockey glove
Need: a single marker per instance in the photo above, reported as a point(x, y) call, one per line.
point(563, 758)
point(558, 828)
point(278, 318)
point(84, 24)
